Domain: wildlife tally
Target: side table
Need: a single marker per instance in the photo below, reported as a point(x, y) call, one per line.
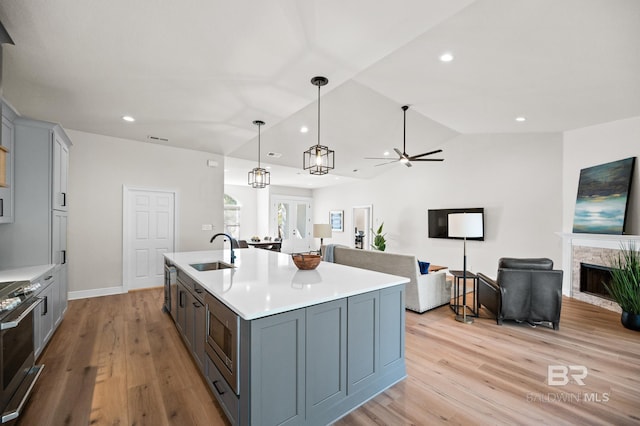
point(458, 276)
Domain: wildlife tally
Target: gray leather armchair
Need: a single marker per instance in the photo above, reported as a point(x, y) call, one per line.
point(525, 290)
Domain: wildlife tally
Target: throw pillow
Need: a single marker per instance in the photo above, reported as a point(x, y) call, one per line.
point(424, 267)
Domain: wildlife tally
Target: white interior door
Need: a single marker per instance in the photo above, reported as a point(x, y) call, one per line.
point(149, 232)
point(291, 220)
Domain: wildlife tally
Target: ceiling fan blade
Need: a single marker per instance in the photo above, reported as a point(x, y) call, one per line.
point(427, 159)
point(377, 158)
point(388, 162)
point(408, 163)
point(412, 157)
point(400, 154)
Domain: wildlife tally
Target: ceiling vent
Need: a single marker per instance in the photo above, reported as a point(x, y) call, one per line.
point(274, 154)
point(157, 139)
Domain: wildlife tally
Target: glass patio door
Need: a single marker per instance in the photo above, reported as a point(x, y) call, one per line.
point(291, 221)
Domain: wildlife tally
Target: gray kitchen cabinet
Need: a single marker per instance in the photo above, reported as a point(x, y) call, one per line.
point(278, 354)
point(326, 360)
point(60, 171)
point(306, 366)
point(314, 364)
point(189, 321)
point(199, 332)
point(31, 235)
point(181, 322)
point(363, 361)
point(192, 317)
point(43, 318)
point(392, 320)
point(63, 291)
point(38, 233)
point(7, 192)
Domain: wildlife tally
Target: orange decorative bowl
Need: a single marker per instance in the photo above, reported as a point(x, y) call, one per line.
point(306, 261)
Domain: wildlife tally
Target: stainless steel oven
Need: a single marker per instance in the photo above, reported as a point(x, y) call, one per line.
point(223, 332)
point(18, 373)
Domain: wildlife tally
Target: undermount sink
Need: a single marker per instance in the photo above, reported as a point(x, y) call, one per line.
point(211, 266)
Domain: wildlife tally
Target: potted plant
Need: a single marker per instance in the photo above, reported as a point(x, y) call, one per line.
point(379, 243)
point(624, 287)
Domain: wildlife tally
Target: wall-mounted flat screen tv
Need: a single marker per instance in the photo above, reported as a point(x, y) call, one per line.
point(439, 222)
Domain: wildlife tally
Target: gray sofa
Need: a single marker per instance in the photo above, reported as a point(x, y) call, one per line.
point(423, 292)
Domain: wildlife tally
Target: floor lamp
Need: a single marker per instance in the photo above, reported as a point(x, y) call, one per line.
point(322, 230)
point(465, 225)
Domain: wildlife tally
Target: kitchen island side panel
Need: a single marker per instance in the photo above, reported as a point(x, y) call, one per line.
point(326, 341)
point(392, 322)
point(278, 369)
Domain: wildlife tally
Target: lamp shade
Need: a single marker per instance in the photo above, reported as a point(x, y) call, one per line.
point(322, 230)
point(465, 225)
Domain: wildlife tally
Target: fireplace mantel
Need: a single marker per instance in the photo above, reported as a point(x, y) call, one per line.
point(598, 237)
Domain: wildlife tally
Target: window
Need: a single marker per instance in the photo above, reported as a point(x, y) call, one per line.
point(231, 216)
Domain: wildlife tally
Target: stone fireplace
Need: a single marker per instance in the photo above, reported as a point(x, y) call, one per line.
point(596, 256)
point(590, 249)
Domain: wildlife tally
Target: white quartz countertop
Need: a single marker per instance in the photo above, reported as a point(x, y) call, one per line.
point(26, 273)
point(264, 282)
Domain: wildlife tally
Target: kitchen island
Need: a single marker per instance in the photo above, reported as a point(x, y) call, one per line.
point(283, 346)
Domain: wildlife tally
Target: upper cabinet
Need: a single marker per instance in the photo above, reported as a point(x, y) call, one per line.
point(60, 170)
point(38, 232)
point(6, 166)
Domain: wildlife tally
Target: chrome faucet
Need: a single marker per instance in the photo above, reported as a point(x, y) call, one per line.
point(233, 255)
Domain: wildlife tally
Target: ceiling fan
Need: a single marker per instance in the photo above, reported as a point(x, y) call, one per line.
point(403, 157)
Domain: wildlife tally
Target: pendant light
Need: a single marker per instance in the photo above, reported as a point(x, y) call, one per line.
point(259, 177)
point(318, 159)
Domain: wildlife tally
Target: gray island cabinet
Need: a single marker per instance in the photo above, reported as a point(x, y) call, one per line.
point(311, 345)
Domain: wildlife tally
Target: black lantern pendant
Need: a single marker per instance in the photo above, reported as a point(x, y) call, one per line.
point(318, 159)
point(259, 177)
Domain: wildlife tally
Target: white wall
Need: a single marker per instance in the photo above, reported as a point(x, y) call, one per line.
point(99, 167)
point(590, 146)
point(516, 178)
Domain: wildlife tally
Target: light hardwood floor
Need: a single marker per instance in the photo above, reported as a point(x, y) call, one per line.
point(118, 360)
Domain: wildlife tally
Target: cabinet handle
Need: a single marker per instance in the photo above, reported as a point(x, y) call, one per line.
point(197, 305)
point(45, 311)
point(64, 257)
point(217, 388)
point(64, 199)
point(1, 207)
point(48, 278)
point(180, 301)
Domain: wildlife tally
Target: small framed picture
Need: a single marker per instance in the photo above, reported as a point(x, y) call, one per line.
point(336, 220)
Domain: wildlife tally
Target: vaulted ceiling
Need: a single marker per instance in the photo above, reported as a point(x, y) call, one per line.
point(196, 73)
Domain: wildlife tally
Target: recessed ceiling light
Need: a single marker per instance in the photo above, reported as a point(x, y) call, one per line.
point(446, 57)
point(304, 129)
point(128, 118)
point(386, 153)
point(521, 119)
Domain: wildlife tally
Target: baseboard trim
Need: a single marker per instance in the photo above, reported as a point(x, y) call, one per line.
point(85, 294)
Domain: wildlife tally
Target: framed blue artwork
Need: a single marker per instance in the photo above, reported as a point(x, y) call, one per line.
point(603, 198)
point(336, 219)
